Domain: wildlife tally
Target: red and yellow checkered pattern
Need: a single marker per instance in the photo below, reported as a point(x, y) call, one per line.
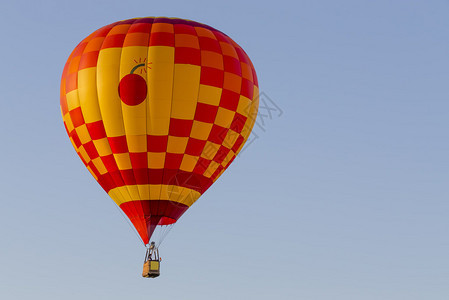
point(156, 155)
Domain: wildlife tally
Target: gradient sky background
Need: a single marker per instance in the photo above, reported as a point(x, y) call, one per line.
point(343, 196)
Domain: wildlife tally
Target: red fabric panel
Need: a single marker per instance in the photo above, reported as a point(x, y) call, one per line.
point(77, 117)
point(209, 44)
point(185, 55)
point(205, 112)
point(212, 77)
point(195, 147)
point(118, 144)
point(162, 39)
point(96, 130)
point(229, 100)
point(156, 143)
point(179, 127)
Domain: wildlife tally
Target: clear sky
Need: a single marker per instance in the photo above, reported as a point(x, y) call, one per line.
point(343, 194)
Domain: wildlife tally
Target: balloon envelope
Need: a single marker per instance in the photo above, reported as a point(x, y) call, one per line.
point(157, 109)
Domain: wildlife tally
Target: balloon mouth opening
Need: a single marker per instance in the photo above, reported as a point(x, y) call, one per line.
point(154, 221)
point(159, 220)
point(166, 221)
point(157, 228)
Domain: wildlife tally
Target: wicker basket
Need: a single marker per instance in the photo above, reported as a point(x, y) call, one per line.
point(151, 268)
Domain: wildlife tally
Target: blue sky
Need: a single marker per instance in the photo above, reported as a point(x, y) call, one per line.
point(342, 196)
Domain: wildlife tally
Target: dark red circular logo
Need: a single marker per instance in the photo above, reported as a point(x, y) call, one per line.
point(132, 89)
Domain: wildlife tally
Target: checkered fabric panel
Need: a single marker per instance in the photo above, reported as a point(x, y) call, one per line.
point(157, 109)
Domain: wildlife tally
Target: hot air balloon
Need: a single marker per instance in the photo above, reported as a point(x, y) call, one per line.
point(157, 109)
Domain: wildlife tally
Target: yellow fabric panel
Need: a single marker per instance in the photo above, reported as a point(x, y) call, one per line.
point(134, 117)
point(173, 192)
point(98, 163)
point(83, 154)
point(102, 146)
point(160, 84)
point(209, 95)
point(211, 169)
point(224, 117)
point(249, 124)
point(144, 191)
point(120, 195)
point(116, 198)
point(191, 198)
point(68, 122)
point(108, 67)
point(228, 157)
point(87, 91)
point(246, 131)
point(137, 143)
point(179, 193)
point(210, 149)
point(243, 106)
point(256, 93)
point(164, 192)
point(185, 91)
point(133, 191)
point(72, 100)
point(252, 114)
point(200, 130)
point(188, 162)
point(83, 134)
point(186, 196)
point(230, 139)
point(156, 160)
point(177, 144)
point(123, 161)
point(155, 191)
